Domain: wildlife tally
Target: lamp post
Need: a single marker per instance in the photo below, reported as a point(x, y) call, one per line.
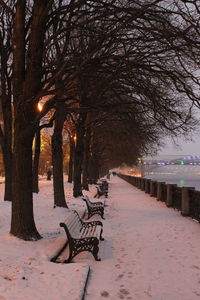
point(71, 157)
point(36, 155)
point(141, 165)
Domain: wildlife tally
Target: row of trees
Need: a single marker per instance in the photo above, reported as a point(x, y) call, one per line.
point(118, 74)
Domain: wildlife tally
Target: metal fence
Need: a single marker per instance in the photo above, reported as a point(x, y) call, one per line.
point(194, 204)
point(186, 200)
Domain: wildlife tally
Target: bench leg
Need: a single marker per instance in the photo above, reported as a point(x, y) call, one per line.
point(66, 261)
point(101, 238)
point(95, 251)
point(102, 215)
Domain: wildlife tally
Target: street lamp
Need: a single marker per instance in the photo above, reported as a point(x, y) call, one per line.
point(39, 106)
point(141, 165)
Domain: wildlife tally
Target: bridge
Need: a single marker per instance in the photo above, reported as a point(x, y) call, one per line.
point(171, 164)
point(172, 160)
point(154, 164)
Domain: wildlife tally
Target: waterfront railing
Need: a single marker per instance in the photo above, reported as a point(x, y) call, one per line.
point(184, 199)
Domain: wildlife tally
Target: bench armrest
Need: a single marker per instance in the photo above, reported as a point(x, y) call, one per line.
point(92, 223)
point(99, 203)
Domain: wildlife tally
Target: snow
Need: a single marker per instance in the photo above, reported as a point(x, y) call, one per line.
point(25, 269)
point(149, 252)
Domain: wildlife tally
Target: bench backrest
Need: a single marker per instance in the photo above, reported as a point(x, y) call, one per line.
point(98, 187)
point(72, 224)
point(87, 201)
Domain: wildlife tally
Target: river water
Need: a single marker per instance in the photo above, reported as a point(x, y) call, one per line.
point(182, 175)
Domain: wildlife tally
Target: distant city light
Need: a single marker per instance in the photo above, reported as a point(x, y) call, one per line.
point(181, 182)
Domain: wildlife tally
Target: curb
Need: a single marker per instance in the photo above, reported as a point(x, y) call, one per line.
point(85, 286)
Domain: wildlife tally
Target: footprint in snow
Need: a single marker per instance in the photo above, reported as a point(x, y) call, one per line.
point(103, 294)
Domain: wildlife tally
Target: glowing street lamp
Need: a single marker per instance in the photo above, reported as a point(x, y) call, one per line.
point(39, 106)
point(73, 137)
point(141, 165)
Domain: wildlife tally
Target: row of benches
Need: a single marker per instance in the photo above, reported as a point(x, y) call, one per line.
point(83, 235)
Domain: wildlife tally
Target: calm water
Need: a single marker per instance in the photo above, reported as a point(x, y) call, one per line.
point(181, 175)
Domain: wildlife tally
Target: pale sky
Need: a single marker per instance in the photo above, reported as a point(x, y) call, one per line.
point(186, 147)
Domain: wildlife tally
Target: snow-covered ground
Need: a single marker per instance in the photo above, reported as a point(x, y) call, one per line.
point(149, 252)
point(25, 269)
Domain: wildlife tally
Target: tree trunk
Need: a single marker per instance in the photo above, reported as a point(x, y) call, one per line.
point(7, 146)
point(57, 157)
point(78, 160)
point(26, 83)
point(93, 169)
point(22, 223)
point(71, 159)
point(6, 133)
point(36, 162)
point(86, 160)
point(96, 169)
point(7, 158)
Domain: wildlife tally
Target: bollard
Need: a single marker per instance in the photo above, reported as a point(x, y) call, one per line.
point(143, 184)
point(147, 185)
point(152, 188)
point(139, 182)
point(185, 208)
point(169, 195)
point(159, 190)
point(185, 201)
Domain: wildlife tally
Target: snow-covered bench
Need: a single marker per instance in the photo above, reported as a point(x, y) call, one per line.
point(81, 235)
point(102, 189)
point(94, 207)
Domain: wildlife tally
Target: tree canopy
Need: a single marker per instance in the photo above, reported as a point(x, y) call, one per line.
point(133, 63)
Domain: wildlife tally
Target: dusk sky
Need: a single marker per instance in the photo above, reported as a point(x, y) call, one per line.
point(186, 147)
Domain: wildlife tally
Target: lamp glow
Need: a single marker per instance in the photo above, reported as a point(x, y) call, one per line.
point(39, 106)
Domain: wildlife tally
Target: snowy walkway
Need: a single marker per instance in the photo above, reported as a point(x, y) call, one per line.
point(150, 251)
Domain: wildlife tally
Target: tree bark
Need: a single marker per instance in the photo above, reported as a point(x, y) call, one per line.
point(57, 157)
point(7, 146)
point(93, 169)
point(78, 160)
point(71, 159)
point(86, 159)
point(22, 223)
point(27, 81)
point(6, 133)
point(7, 158)
point(36, 162)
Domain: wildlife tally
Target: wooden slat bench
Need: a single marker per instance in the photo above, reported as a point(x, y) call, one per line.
point(95, 203)
point(81, 235)
point(94, 207)
point(102, 189)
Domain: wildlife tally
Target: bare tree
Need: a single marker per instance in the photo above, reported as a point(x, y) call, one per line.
point(6, 98)
point(57, 156)
point(132, 54)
